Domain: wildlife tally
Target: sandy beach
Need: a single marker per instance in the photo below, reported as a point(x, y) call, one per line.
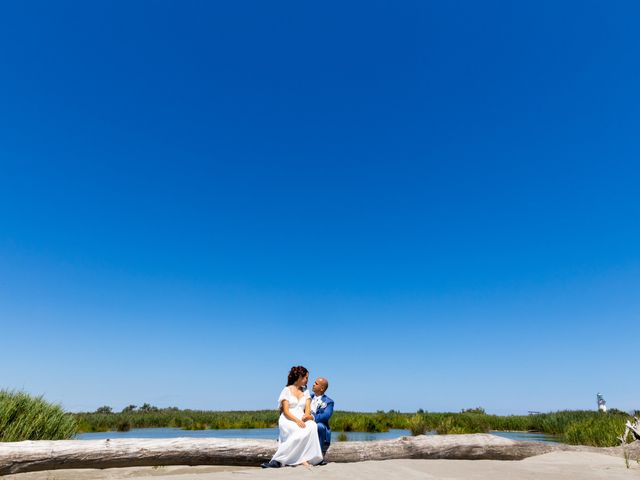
point(556, 465)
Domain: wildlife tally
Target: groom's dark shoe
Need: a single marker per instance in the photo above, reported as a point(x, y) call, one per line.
point(271, 464)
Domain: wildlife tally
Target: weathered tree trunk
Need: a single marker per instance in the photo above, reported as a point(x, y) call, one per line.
point(28, 456)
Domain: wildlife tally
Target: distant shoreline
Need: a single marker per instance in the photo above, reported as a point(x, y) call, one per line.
point(577, 427)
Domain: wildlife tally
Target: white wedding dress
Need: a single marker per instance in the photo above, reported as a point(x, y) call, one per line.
point(297, 445)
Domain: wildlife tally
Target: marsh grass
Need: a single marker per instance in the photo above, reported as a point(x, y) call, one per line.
point(23, 417)
point(124, 425)
point(463, 423)
point(576, 427)
point(418, 424)
point(368, 422)
point(598, 431)
point(174, 418)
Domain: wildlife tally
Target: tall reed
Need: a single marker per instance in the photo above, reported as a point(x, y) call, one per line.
point(584, 427)
point(23, 417)
point(598, 431)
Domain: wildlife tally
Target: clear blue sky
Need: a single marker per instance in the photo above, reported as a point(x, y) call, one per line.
point(433, 204)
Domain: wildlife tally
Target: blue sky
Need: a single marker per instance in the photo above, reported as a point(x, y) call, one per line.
point(433, 204)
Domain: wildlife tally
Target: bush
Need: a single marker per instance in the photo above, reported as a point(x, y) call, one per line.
point(602, 431)
point(124, 425)
point(478, 410)
point(418, 424)
point(23, 417)
point(463, 423)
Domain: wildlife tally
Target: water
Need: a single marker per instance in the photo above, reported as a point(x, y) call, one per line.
point(528, 436)
point(268, 433)
point(264, 433)
point(272, 434)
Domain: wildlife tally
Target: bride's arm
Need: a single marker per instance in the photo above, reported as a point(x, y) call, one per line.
point(290, 416)
point(307, 408)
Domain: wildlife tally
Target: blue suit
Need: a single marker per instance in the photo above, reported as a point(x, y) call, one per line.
point(322, 416)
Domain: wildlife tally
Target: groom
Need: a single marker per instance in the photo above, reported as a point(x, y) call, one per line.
point(321, 411)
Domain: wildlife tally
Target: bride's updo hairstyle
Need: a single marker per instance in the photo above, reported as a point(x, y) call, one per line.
point(295, 373)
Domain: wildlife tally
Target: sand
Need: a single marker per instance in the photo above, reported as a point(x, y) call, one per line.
point(556, 465)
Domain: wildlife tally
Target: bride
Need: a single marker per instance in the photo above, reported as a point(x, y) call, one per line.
point(298, 442)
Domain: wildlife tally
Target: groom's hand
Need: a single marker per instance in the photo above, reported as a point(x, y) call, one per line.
point(306, 418)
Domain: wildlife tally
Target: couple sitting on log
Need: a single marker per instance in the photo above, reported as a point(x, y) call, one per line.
point(305, 435)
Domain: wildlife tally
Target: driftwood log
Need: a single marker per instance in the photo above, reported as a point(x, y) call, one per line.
point(29, 456)
point(632, 430)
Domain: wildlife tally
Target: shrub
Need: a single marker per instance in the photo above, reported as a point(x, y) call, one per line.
point(124, 425)
point(478, 410)
point(601, 431)
point(463, 423)
point(418, 424)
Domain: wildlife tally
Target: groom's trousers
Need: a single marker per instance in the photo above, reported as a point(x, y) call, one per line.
point(324, 437)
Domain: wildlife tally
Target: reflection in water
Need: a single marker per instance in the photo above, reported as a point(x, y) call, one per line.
point(529, 437)
point(272, 434)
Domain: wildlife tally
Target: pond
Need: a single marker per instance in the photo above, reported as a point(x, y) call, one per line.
point(272, 434)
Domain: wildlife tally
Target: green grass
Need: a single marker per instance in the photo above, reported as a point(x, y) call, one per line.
point(572, 427)
point(23, 417)
point(418, 424)
point(575, 427)
point(368, 422)
point(172, 417)
point(601, 431)
point(463, 423)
